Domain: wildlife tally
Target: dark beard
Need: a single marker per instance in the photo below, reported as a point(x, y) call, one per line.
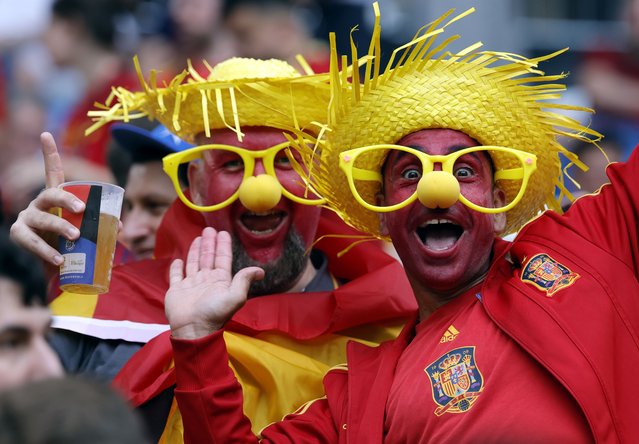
point(279, 275)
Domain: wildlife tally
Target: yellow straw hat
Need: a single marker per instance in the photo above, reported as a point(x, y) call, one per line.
point(495, 98)
point(237, 92)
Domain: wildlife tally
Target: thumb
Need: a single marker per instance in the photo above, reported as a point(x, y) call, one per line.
point(244, 278)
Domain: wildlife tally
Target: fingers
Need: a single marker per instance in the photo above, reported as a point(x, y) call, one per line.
point(30, 241)
point(207, 248)
point(210, 251)
point(224, 252)
point(36, 221)
point(193, 257)
point(175, 272)
point(38, 216)
point(57, 198)
point(53, 170)
point(244, 278)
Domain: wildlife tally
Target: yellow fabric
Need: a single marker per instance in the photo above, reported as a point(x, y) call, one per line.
point(279, 374)
point(74, 304)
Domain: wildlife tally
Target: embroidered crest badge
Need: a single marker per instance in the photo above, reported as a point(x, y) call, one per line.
point(547, 274)
point(456, 381)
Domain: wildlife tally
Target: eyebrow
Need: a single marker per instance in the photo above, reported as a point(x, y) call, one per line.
point(21, 329)
point(14, 330)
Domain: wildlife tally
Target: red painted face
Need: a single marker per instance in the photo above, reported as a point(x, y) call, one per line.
point(262, 236)
point(442, 249)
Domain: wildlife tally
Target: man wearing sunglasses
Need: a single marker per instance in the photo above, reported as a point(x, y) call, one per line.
point(525, 341)
point(244, 179)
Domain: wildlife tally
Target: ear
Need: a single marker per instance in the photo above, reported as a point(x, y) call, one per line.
point(197, 182)
point(499, 219)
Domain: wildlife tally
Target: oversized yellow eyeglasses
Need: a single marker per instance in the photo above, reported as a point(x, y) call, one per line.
point(231, 176)
point(413, 174)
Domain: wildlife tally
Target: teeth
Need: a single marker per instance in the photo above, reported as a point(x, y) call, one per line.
point(261, 213)
point(436, 222)
point(270, 230)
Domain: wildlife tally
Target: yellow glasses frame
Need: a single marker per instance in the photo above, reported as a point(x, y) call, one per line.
point(172, 162)
point(347, 161)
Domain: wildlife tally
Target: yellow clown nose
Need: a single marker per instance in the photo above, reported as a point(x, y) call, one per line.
point(260, 193)
point(438, 189)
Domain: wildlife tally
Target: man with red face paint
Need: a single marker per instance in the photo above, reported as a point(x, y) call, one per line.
point(243, 180)
point(523, 341)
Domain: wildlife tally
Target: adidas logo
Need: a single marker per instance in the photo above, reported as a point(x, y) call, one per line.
point(449, 335)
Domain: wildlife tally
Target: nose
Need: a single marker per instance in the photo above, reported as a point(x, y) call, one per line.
point(45, 362)
point(259, 167)
point(260, 193)
point(438, 189)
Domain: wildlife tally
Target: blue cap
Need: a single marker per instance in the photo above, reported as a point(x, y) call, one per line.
point(145, 145)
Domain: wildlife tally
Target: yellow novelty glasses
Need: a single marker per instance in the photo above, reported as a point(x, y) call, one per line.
point(412, 176)
point(230, 168)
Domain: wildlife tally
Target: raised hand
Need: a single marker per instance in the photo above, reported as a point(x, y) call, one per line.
point(37, 220)
point(203, 295)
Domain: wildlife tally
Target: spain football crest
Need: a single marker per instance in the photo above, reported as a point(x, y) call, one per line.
point(547, 274)
point(455, 380)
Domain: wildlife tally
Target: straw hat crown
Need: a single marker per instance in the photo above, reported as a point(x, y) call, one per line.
point(238, 92)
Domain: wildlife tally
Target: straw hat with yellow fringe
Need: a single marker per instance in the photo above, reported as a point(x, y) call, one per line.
point(496, 98)
point(237, 92)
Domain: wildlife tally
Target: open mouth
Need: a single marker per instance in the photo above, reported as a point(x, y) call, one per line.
point(263, 222)
point(439, 234)
point(145, 253)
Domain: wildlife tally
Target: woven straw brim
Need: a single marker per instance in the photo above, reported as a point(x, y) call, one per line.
point(190, 105)
point(495, 98)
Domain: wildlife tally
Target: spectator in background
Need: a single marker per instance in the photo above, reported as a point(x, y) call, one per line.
point(190, 30)
point(277, 29)
point(20, 171)
point(610, 76)
point(25, 354)
point(149, 192)
point(3, 96)
point(96, 37)
point(69, 411)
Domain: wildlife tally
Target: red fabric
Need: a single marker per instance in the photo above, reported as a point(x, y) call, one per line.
point(620, 61)
point(586, 335)
point(137, 291)
point(94, 146)
point(511, 397)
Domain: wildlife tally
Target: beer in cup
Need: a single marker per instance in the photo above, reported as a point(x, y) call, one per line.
point(88, 260)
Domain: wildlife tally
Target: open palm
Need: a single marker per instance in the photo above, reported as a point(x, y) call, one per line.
point(203, 294)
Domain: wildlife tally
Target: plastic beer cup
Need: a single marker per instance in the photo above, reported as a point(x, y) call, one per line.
point(88, 260)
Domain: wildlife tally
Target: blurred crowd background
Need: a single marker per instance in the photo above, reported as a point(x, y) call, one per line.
point(59, 57)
